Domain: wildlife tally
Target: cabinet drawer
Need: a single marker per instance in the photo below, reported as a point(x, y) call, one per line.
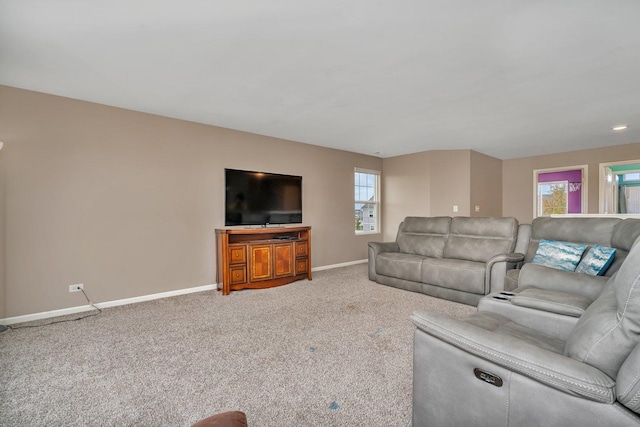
point(301, 249)
point(238, 275)
point(302, 266)
point(237, 254)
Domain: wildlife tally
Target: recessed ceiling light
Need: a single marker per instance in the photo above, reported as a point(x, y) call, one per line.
point(620, 127)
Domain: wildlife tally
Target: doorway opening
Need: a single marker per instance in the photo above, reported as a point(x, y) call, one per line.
point(620, 187)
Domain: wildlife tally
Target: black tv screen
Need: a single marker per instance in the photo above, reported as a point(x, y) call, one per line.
point(262, 198)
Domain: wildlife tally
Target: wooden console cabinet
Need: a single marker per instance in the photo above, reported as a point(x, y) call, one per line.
point(259, 258)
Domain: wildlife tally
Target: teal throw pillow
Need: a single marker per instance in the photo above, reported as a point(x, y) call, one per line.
point(597, 260)
point(560, 255)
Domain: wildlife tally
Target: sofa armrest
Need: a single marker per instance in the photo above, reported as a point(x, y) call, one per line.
point(513, 257)
point(496, 270)
point(541, 277)
point(545, 366)
point(376, 248)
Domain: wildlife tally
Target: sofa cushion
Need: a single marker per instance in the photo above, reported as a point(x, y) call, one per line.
point(423, 235)
point(479, 239)
point(466, 276)
point(610, 328)
point(577, 230)
point(402, 266)
point(625, 233)
point(561, 255)
point(564, 303)
point(597, 260)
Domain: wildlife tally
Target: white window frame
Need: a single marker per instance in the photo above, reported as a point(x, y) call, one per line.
point(566, 196)
point(584, 187)
point(376, 202)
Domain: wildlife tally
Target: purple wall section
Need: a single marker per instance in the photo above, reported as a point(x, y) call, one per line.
point(575, 191)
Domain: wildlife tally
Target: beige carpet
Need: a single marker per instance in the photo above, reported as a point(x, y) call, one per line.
point(335, 351)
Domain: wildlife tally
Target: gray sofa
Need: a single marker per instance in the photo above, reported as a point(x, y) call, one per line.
point(460, 259)
point(507, 369)
point(553, 300)
point(612, 232)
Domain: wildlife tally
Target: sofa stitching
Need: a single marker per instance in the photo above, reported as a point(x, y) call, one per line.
point(634, 400)
point(523, 368)
point(632, 384)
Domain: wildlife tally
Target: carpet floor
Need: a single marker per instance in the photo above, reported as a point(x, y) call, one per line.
point(336, 351)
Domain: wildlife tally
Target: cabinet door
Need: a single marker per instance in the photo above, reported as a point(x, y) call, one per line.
point(260, 263)
point(283, 259)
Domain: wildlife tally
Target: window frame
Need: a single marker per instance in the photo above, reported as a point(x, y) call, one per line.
point(584, 186)
point(376, 202)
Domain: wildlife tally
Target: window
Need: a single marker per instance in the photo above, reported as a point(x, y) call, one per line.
point(367, 201)
point(552, 198)
point(559, 191)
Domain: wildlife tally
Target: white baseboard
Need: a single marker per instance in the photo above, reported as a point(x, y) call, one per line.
point(101, 305)
point(342, 264)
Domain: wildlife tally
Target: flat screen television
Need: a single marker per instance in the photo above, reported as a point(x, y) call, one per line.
point(262, 198)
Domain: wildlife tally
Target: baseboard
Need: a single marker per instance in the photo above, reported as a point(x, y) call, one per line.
point(342, 264)
point(101, 305)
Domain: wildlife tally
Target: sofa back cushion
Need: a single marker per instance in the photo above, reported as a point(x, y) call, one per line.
point(589, 231)
point(610, 328)
point(626, 232)
point(479, 239)
point(424, 236)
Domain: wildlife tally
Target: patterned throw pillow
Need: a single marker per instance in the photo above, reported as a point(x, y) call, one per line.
point(597, 260)
point(560, 255)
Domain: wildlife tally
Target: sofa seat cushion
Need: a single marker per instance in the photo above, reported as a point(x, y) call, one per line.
point(564, 303)
point(466, 276)
point(400, 265)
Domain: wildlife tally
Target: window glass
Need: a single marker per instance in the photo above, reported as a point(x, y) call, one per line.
point(367, 201)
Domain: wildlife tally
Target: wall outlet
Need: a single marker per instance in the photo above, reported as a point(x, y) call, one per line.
point(76, 288)
point(477, 208)
point(455, 208)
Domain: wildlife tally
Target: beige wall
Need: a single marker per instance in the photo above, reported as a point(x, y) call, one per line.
point(405, 190)
point(450, 175)
point(2, 227)
point(430, 183)
point(517, 176)
point(486, 185)
point(127, 202)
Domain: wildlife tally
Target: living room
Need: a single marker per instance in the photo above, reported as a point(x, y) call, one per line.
point(127, 202)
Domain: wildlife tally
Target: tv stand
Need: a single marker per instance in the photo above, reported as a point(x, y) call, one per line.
point(260, 258)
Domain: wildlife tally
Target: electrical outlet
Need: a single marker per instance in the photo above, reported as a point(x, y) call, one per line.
point(455, 208)
point(76, 288)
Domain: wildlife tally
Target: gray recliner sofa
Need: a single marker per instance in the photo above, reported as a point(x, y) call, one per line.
point(460, 258)
point(612, 232)
point(555, 299)
point(490, 370)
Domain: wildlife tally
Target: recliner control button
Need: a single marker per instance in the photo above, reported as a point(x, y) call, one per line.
point(488, 377)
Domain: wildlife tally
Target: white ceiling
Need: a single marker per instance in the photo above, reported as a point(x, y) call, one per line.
point(506, 78)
